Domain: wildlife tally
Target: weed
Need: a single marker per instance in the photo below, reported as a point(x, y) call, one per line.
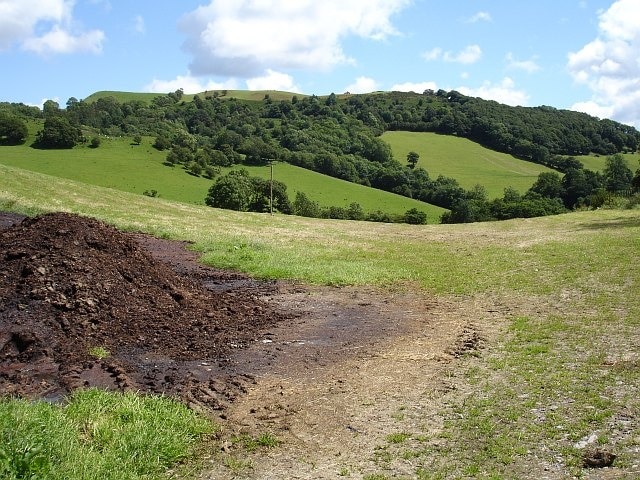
point(99, 352)
point(344, 472)
point(397, 437)
point(375, 476)
point(236, 464)
point(251, 444)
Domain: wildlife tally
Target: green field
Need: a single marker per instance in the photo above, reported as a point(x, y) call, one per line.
point(123, 96)
point(121, 165)
point(468, 162)
point(597, 163)
point(117, 163)
point(328, 191)
point(439, 258)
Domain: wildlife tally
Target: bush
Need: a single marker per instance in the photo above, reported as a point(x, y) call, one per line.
point(162, 143)
point(414, 216)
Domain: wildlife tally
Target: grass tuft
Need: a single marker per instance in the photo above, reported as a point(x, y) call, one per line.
point(98, 434)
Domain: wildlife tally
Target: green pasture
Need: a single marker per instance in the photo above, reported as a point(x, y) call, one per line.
point(329, 191)
point(123, 96)
point(117, 163)
point(122, 165)
point(468, 162)
point(598, 162)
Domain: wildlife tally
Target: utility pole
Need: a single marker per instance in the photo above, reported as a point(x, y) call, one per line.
point(271, 189)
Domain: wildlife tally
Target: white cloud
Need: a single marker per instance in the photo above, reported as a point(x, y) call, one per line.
point(610, 65)
point(480, 17)
point(61, 41)
point(188, 84)
point(139, 25)
point(43, 26)
point(593, 108)
point(362, 85)
point(433, 54)
point(529, 66)
point(273, 81)
point(245, 37)
point(470, 54)
point(417, 87)
point(504, 92)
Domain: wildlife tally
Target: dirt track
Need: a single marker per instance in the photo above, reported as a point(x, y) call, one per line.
point(329, 371)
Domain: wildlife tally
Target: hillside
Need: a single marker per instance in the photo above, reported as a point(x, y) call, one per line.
point(122, 165)
point(341, 136)
point(468, 162)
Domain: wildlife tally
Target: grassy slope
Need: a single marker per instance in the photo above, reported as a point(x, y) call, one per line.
point(572, 355)
point(123, 96)
point(135, 168)
point(464, 160)
point(115, 164)
point(329, 191)
point(597, 163)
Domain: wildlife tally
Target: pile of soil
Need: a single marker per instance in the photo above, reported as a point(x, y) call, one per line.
point(83, 304)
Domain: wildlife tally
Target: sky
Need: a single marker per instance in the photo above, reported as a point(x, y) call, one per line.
point(572, 54)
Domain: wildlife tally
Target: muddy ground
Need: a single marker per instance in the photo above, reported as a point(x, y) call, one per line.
point(328, 371)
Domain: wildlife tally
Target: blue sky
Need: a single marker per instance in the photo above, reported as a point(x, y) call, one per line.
point(577, 54)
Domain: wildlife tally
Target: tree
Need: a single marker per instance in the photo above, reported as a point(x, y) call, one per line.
point(238, 191)
point(412, 159)
point(414, 216)
point(211, 171)
point(617, 175)
point(13, 131)
point(549, 185)
point(578, 185)
point(50, 108)
point(305, 207)
point(194, 168)
point(355, 212)
point(232, 191)
point(179, 154)
point(264, 191)
point(635, 182)
point(162, 143)
point(58, 133)
point(445, 192)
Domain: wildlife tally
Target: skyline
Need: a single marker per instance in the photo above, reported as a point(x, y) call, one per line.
point(578, 54)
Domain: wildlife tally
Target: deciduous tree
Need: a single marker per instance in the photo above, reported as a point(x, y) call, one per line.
point(13, 131)
point(412, 159)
